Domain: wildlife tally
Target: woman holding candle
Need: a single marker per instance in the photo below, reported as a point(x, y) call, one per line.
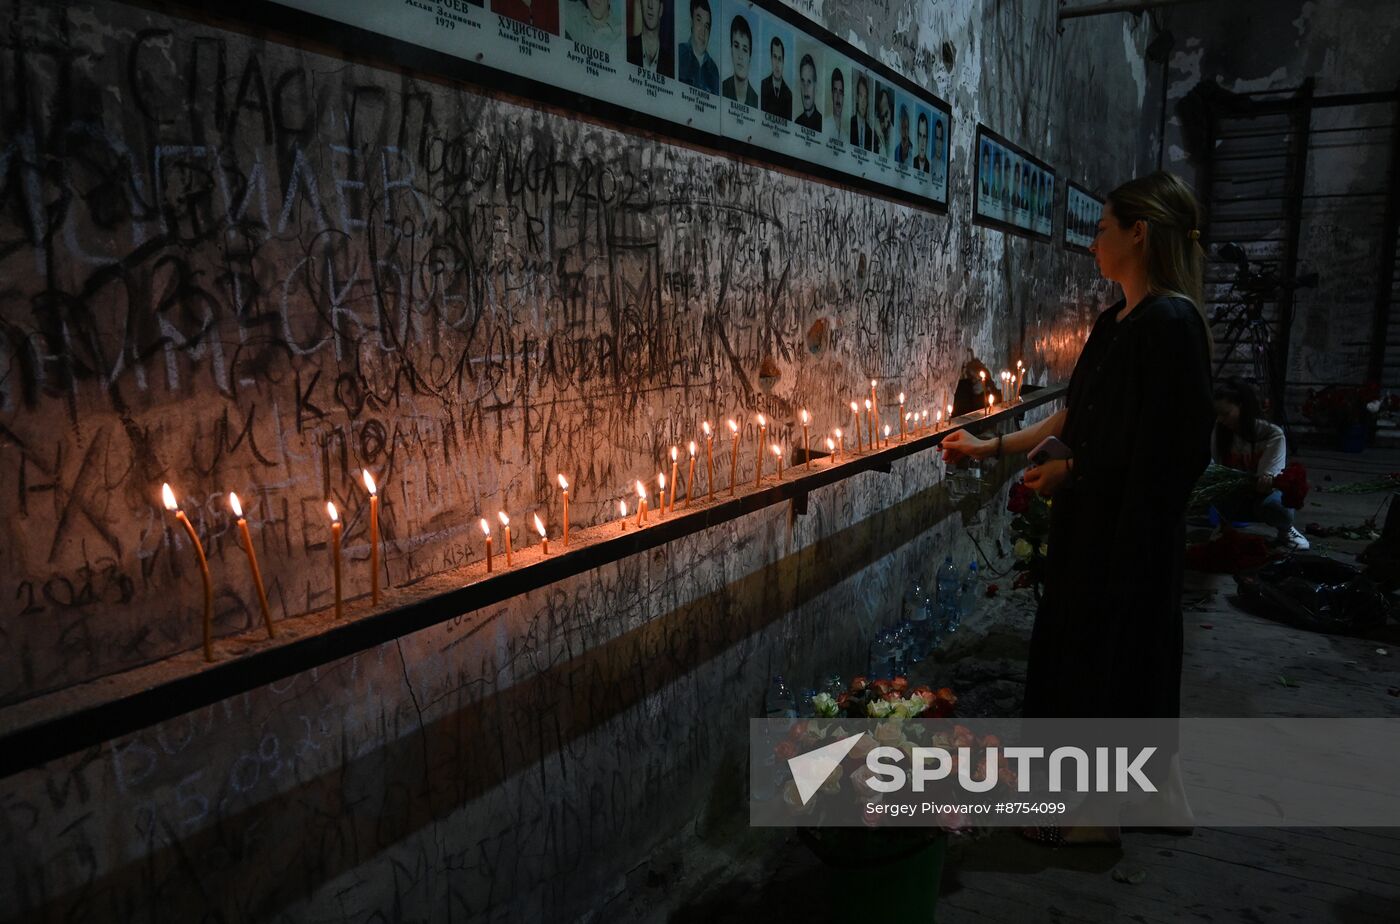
point(1108, 633)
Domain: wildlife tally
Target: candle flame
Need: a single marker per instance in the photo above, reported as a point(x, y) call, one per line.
point(505, 520)
point(486, 527)
point(805, 418)
point(733, 427)
point(867, 404)
point(622, 507)
point(539, 525)
point(872, 383)
point(938, 418)
point(762, 421)
point(563, 482)
point(331, 511)
point(830, 444)
point(641, 490)
point(950, 412)
point(901, 397)
point(838, 433)
point(369, 482)
point(983, 374)
point(855, 409)
point(692, 447)
point(908, 417)
point(887, 430)
point(168, 496)
point(777, 450)
point(706, 427)
point(991, 399)
point(661, 480)
point(673, 453)
point(234, 504)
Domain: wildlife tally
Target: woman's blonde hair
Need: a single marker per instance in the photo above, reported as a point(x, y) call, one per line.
point(1175, 259)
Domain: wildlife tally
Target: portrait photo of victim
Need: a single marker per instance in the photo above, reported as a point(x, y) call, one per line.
point(775, 92)
point(808, 91)
point(695, 67)
point(593, 22)
point(649, 42)
point(737, 85)
point(542, 14)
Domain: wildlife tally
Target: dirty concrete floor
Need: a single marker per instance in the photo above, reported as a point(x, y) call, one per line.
point(1235, 665)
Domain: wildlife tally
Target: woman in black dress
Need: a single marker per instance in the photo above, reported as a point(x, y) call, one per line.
point(1107, 640)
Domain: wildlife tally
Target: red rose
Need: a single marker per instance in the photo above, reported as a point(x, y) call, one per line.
point(899, 684)
point(843, 700)
point(1019, 500)
point(925, 694)
point(1293, 482)
point(962, 736)
point(881, 687)
point(857, 684)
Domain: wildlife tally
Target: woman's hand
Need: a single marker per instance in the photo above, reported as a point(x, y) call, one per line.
point(1264, 484)
point(960, 445)
point(1046, 479)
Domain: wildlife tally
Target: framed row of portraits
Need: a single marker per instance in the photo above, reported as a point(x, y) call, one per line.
point(738, 74)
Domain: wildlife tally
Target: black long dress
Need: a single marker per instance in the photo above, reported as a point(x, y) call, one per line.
point(1108, 636)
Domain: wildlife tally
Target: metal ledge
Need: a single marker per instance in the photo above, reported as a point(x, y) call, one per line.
point(64, 722)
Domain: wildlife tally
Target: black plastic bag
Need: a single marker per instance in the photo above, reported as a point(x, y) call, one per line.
point(1316, 593)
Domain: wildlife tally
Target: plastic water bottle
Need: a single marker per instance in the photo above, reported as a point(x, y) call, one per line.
point(779, 703)
point(917, 612)
point(805, 708)
point(971, 590)
point(902, 638)
point(881, 655)
point(949, 590)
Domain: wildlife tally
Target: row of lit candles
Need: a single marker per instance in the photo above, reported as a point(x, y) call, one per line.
point(910, 423)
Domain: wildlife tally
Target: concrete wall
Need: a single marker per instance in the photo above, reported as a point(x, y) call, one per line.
point(1346, 47)
point(195, 288)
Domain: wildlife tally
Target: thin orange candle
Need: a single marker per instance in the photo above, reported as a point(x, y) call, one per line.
point(778, 452)
point(886, 443)
point(252, 562)
point(544, 536)
point(870, 423)
point(840, 441)
point(622, 516)
point(505, 522)
point(991, 400)
point(373, 535)
point(831, 449)
point(903, 417)
point(336, 527)
point(950, 413)
point(486, 528)
point(675, 460)
point(690, 476)
point(733, 457)
point(641, 504)
point(758, 450)
point(564, 486)
point(855, 418)
point(806, 449)
point(660, 495)
point(874, 401)
point(709, 460)
point(168, 496)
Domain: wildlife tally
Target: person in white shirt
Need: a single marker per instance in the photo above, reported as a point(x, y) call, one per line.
point(1244, 441)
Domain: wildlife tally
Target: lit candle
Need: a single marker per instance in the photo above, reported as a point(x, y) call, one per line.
point(486, 528)
point(641, 504)
point(622, 516)
point(168, 496)
point(544, 536)
point(1014, 394)
point(675, 457)
point(840, 441)
point(905, 424)
point(252, 561)
point(510, 556)
point(887, 435)
point(874, 402)
point(778, 451)
point(950, 413)
point(564, 486)
point(733, 457)
point(925, 418)
point(855, 418)
point(373, 535)
point(336, 527)
point(831, 449)
point(991, 400)
point(870, 423)
point(660, 495)
point(709, 460)
point(806, 449)
point(903, 417)
point(758, 450)
point(690, 476)
point(937, 418)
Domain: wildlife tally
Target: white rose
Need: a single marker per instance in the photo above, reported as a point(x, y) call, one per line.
point(916, 705)
point(824, 704)
point(878, 709)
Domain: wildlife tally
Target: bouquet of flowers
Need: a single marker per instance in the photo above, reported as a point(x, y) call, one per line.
point(1342, 406)
point(1218, 482)
point(1030, 528)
